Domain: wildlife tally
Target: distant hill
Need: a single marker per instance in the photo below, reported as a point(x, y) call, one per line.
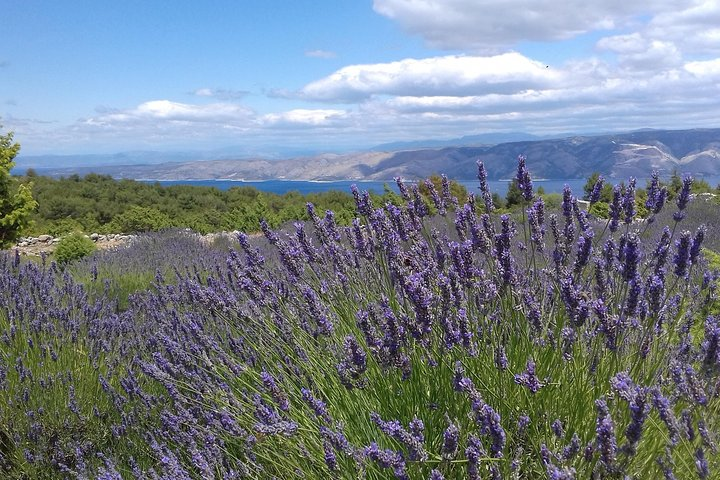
point(694, 151)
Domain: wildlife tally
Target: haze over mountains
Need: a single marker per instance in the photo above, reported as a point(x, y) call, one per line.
point(695, 151)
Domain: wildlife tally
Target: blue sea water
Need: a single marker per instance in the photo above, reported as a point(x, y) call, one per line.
point(305, 187)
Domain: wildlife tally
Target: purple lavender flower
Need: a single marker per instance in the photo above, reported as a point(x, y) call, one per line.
point(656, 195)
point(683, 198)
point(523, 179)
point(329, 454)
point(615, 209)
point(597, 190)
point(681, 258)
point(584, 251)
point(278, 396)
point(451, 437)
point(448, 198)
point(557, 428)
point(639, 410)
point(630, 254)
point(436, 198)
point(412, 438)
point(473, 453)
point(528, 378)
point(487, 195)
point(387, 459)
point(696, 244)
point(436, 475)
point(522, 423)
point(317, 405)
point(567, 203)
point(501, 361)
point(605, 436)
point(701, 464)
point(363, 202)
point(628, 201)
point(710, 347)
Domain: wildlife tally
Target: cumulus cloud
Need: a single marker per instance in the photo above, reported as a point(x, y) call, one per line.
point(499, 24)
point(447, 75)
point(320, 54)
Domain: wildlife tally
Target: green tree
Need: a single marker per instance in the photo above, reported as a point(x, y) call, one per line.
point(514, 196)
point(140, 219)
point(16, 201)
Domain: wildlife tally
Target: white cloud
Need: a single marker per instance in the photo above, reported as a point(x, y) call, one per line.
point(168, 111)
point(708, 68)
point(320, 54)
point(498, 24)
point(220, 93)
point(304, 117)
point(447, 75)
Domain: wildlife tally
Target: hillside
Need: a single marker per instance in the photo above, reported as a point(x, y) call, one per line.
point(694, 151)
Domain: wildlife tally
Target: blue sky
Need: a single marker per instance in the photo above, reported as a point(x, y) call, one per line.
point(95, 76)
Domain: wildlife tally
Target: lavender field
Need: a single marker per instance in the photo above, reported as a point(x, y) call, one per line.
point(423, 342)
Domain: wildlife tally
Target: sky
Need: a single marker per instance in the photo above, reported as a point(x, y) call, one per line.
point(267, 76)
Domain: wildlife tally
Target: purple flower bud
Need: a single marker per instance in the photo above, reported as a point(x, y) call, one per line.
point(523, 179)
point(528, 378)
point(628, 201)
point(487, 195)
point(605, 436)
point(597, 190)
point(683, 197)
point(615, 209)
point(567, 202)
point(697, 243)
point(451, 438)
point(681, 258)
point(436, 475)
point(701, 464)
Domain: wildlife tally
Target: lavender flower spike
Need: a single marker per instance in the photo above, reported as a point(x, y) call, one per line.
point(523, 179)
point(683, 198)
point(487, 196)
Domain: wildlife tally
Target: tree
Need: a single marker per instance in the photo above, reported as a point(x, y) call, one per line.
point(16, 201)
point(514, 195)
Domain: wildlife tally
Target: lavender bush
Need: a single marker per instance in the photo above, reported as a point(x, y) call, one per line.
point(463, 345)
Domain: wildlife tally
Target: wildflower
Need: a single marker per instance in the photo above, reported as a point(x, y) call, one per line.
point(682, 254)
point(628, 201)
point(523, 179)
point(683, 198)
point(528, 378)
point(701, 464)
point(697, 243)
point(615, 208)
point(451, 437)
point(597, 190)
point(487, 195)
point(605, 435)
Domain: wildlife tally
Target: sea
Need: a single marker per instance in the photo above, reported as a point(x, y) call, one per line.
point(304, 187)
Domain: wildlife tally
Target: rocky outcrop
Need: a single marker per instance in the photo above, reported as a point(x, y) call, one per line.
point(45, 244)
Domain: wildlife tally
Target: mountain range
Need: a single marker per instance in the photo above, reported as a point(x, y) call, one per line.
point(695, 151)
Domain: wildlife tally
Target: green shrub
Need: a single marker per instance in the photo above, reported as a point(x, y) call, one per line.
point(140, 219)
point(73, 247)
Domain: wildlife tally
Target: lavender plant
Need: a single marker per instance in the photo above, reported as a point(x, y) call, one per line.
point(408, 346)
